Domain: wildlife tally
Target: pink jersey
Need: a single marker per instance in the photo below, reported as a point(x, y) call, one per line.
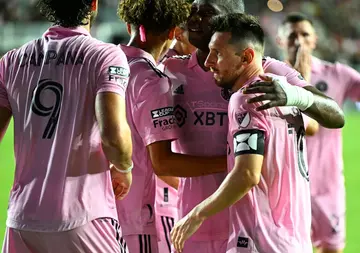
point(150, 116)
point(62, 178)
point(201, 110)
point(275, 216)
point(339, 82)
point(166, 199)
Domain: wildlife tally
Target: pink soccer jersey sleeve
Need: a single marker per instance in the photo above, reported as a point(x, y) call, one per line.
point(248, 127)
point(153, 111)
point(4, 101)
point(282, 69)
point(114, 73)
point(353, 82)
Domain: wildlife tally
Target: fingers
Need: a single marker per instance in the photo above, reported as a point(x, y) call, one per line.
point(118, 190)
point(266, 78)
point(261, 98)
point(124, 193)
point(253, 89)
point(268, 106)
point(175, 236)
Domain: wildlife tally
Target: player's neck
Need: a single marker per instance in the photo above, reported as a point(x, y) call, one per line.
point(87, 27)
point(201, 57)
point(155, 49)
point(253, 70)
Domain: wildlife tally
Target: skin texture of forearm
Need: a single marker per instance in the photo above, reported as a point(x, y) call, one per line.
point(178, 165)
point(235, 186)
point(325, 110)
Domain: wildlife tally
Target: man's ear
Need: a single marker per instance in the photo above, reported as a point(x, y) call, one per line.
point(128, 28)
point(179, 33)
point(171, 34)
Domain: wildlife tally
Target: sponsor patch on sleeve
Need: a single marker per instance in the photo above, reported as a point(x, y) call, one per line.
point(119, 71)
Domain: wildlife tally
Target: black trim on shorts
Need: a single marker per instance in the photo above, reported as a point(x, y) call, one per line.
point(119, 239)
point(144, 243)
point(168, 224)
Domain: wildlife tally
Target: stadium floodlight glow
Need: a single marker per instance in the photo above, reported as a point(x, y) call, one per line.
point(275, 5)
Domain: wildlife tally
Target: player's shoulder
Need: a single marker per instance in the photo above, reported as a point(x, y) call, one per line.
point(326, 65)
point(273, 64)
point(140, 66)
point(104, 49)
point(12, 57)
point(10, 54)
point(343, 69)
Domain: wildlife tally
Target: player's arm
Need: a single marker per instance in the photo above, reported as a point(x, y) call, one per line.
point(323, 109)
point(114, 130)
point(172, 181)
point(352, 80)
point(167, 163)
point(297, 92)
point(157, 139)
point(244, 176)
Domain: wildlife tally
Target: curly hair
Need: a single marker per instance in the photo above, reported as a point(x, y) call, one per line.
point(66, 13)
point(157, 16)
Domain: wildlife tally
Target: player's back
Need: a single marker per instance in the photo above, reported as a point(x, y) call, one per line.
point(275, 215)
point(150, 121)
point(62, 179)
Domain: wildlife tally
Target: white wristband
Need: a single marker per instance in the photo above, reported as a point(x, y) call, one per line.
point(125, 171)
point(296, 96)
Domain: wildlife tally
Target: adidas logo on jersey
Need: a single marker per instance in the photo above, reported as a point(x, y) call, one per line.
point(179, 90)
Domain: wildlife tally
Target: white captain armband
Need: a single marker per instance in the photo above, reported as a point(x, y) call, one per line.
point(250, 141)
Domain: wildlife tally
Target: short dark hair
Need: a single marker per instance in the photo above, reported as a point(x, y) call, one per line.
point(229, 6)
point(296, 17)
point(157, 16)
point(243, 28)
point(66, 13)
